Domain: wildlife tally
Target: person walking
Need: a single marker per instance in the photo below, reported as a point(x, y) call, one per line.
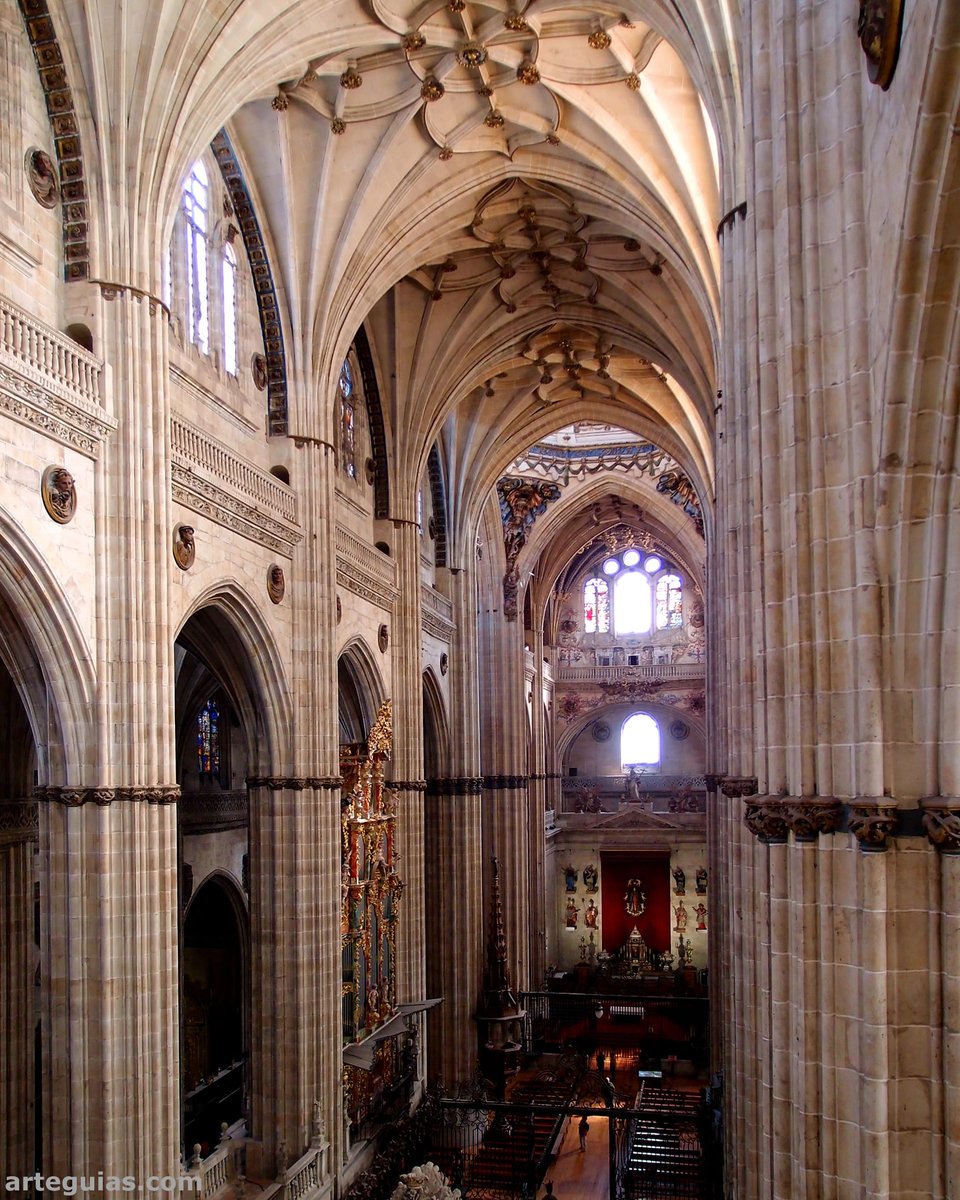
point(583, 1129)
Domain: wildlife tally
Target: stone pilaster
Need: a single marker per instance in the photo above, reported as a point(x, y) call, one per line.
point(18, 835)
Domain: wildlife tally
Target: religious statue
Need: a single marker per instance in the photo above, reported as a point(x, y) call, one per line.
point(680, 915)
point(683, 952)
point(680, 881)
point(570, 876)
point(701, 881)
point(572, 912)
point(701, 911)
point(590, 878)
point(275, 583)
point(632, 789)
point(635, 897)
point(42, 178)
point(590, 914)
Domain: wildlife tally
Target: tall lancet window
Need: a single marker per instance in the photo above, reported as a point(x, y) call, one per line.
point(196, 208)
point(229, 310)
point(208, 741)
point(669, 602)
point(596, 606)
point(348, 422)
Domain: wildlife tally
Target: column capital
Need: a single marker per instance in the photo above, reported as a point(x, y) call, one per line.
point(738, 786)
point(76, 797)
point(809, 816)
point(871, 821)
point(941, 822)
point(766, 820)
point(294, 783)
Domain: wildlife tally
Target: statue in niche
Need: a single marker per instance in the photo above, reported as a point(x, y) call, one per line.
point(590, 877)
point(701, 881)
point(590, 914)
point(572, 912)
point(635, 897)
point(680, 915)
point(701, 911)
point(570, 878)
point(631, 789)
point(679, 881)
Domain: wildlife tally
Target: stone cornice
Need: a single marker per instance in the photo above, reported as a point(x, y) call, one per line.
point(75, 797)
point(19, 821)
point(293, 783)
point(464, 785)
point(201, 812)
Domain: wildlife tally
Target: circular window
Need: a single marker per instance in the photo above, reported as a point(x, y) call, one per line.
point(652, 564)
point(611, 566)
point(631, 558)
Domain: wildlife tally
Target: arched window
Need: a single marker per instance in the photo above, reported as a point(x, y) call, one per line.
point(196, 206)
point(348, 419)
point(669, 602)
point(229, 310)
point(639, 742)
point(208, 741)
point(632, 603)
point(596, 606)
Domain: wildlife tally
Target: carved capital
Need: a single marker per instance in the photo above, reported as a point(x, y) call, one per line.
point(871, 823)
point(941, 821)
point(766, 821)
point(809, 816)
point(738, 786)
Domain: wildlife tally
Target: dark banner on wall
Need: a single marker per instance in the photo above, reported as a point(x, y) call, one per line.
point(652, 869)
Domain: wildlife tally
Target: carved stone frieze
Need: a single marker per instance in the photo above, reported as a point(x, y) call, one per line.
point(737, 787)
point(202, 812)
point(503, 783)
point(767, 821)
point(405, 785)
point(871, 823)
point(294, 783)
point(809, 816)
point(26, 398)
point(19, 821)
point(208, 497)
point(75, 797)
point(941, 822)
point(462, 786)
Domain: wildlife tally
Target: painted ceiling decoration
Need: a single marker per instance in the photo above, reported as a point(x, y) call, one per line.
point(486, 76)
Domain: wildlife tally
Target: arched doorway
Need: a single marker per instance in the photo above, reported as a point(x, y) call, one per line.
point(215, 1017)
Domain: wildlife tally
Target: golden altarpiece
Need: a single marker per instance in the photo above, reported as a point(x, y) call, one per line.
point(371, 889)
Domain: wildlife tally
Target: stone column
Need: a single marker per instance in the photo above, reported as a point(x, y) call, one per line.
point(295, 857)
point(407, 763)
point(108, 861)
point(536, 806)
point(18, 837)
point(453, 874)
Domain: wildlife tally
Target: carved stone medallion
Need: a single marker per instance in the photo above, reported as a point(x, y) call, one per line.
point(339, 611)
point(42, 177)
point(879, 26)
point(59, 494)
point(258, 365)
point(184, 547)
point(276, 585)
point(383, 638)
point(444, 663)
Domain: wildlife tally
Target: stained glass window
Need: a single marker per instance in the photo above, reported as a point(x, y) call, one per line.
point(596, 606)
point(632, 608)
point(229, 310)
point(208, 740)
point(196, 204)
point(348, 420)
point(669, 602)
point(639, 742)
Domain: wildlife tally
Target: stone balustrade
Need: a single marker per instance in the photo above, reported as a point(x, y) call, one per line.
point(659, 671)
point(48, 356)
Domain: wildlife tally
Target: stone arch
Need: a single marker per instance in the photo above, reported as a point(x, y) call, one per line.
point(436, 731)
point(226, 633)
point(45, 652)
point(438, 492)
point(378, 437)
point(360, 688)
point(918, 490)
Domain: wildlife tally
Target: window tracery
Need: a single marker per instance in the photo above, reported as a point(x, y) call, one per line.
point(632, 596)
point(348, 422)
point(229, 297)
point(208, 741)
point(196, 208)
